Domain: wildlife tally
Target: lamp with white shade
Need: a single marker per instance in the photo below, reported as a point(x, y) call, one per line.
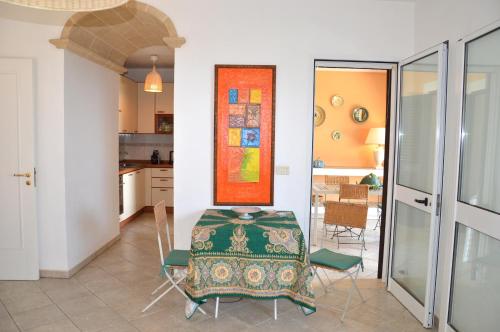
point(376, 136)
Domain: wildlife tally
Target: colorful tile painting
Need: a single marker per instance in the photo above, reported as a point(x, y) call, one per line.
point(244, 165)
point(237, 109)
point(244, 129)
point(255, 96)
point(234, 137)
point(236, 121)
point(233, 96)
point(252, 118)
point(250, 137)
point(243, 96)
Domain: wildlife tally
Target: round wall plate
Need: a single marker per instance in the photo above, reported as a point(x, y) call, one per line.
point(336, 135)
point(319, 116)
point(360, 114)
point(337, 101)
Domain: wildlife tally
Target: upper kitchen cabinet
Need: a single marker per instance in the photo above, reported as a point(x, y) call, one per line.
point(165, 100)
point(146, 110)
point(127, 106)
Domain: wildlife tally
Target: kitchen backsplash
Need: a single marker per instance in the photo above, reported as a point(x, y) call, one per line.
point(141, 146)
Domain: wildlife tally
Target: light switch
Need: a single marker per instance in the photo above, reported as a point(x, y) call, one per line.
point(282, 170)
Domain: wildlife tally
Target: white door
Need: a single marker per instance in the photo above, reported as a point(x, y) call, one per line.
point(474, 278)
point(18, 223)
point(418, 180)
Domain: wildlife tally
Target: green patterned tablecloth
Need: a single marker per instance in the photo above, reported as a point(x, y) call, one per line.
point(262, 258)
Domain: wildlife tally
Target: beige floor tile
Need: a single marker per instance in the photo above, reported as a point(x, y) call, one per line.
point(6, 322)
point(23, 301)
point(38, 317)
point(60, 290)
point(97, 320)
point(59, 326)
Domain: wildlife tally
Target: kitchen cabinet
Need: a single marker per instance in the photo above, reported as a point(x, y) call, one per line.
point(146, 110)
point(127, 106)
point(134, 197)
point(140, 200)
point(147, 186)
point(162, 186)
point(164, 103)
point(128, 195)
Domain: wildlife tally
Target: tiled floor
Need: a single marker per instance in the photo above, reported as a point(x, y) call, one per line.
point(110, 292)
point(372, 238)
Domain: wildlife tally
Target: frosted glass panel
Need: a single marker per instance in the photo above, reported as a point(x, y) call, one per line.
point(411, 246)
point(476, 282)
point(417, 123)
point(480, 160)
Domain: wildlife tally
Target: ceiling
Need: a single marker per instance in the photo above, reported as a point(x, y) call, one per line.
point(121, 37)
point(141, 58)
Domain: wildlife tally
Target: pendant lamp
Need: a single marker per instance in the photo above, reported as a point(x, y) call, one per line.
point(153, 79)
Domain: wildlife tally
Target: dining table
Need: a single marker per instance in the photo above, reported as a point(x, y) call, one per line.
point(319, 189)
point(263, 258)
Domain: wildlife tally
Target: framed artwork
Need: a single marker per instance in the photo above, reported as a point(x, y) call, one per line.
point(244, 135)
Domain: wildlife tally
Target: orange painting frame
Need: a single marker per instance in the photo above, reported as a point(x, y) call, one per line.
point(241, 78)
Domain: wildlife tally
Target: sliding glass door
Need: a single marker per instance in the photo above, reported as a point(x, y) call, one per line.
point(474, 299)
point(418, 180)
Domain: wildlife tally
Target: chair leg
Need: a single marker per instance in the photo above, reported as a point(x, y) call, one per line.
point(315, 269)
point(349, 297)
point(275, 309)
point(160, 287)
point(216, 307)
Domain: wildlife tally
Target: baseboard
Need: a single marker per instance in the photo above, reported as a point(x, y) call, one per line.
point(61, 274)
point(132, 217)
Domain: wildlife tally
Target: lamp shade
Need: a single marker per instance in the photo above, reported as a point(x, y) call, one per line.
point(153, 82)
point(376, 136)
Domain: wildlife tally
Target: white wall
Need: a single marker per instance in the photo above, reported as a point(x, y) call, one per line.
point(29, 40)
point(90, 156)
point(435, 22)
point(289, 34)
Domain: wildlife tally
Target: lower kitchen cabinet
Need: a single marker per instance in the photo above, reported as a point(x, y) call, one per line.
point(159, 194)
point(147, 187)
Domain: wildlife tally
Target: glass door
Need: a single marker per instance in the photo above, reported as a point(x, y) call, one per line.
point(418, 181)
point(474, 296)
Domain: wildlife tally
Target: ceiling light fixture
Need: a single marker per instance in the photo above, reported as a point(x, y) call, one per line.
point(153, 79)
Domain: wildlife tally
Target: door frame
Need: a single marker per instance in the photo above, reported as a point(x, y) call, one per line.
point(451, 208)
point(392, 86)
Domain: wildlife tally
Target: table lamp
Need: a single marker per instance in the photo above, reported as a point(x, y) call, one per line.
point(376, 136)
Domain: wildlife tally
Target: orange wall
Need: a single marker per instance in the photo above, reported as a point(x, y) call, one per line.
point(367, 89)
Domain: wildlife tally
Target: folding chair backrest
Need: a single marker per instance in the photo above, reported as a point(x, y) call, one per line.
point(336, 179)
point(346, 214)
point(162, 225)
point(354, 191)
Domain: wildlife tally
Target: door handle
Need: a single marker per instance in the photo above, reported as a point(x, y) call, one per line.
point(21, 175)
point(424, 201)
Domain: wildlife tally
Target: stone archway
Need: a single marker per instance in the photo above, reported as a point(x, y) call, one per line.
point(108, 37)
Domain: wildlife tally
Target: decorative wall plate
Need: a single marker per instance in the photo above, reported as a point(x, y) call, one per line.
point(336, 135)
point(337, 101)
point(319, 116)
point(360, 114)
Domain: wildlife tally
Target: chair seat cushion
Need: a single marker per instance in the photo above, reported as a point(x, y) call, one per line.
point(177, 258)
point(329, 259)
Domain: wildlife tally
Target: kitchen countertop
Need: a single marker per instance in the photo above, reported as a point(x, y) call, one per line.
point(141, 164)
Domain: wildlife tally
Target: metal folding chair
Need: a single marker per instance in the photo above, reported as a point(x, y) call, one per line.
point(349, 265)
point(176, 259)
